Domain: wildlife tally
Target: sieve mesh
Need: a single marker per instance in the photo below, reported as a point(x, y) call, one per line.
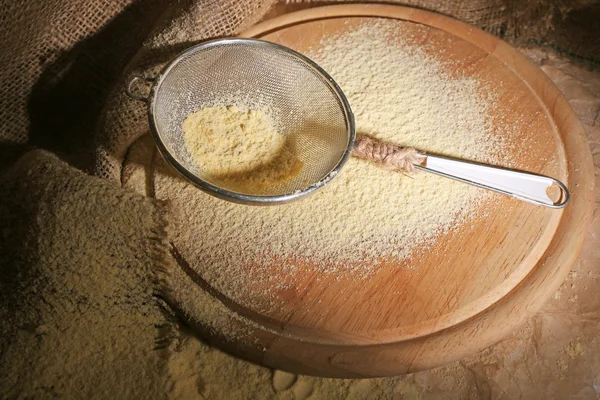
point(308, 108)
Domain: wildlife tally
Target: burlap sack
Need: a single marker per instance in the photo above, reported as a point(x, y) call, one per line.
point(58, 60)
point(125, 119)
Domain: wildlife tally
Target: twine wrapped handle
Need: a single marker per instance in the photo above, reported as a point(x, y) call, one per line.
point(388, 155)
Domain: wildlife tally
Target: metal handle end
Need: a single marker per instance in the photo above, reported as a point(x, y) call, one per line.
point(558, 193)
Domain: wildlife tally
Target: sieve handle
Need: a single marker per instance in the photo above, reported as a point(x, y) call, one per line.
point(524, 186)
point(129, 90)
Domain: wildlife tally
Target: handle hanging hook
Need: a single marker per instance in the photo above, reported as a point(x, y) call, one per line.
point(129, 90)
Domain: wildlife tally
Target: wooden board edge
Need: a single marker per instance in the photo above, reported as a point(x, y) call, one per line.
point(446, 346)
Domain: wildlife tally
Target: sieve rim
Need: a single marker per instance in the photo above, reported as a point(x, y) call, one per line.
point(229, 195)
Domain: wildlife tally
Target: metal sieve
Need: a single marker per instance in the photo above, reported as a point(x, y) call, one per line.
point(312, 114)
point(309, 109)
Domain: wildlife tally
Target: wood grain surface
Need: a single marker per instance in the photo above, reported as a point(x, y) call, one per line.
point(475, 284)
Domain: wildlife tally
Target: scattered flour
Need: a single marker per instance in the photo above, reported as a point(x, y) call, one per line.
point(398, 94)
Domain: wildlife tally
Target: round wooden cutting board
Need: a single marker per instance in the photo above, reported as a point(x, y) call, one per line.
point(475, 285)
